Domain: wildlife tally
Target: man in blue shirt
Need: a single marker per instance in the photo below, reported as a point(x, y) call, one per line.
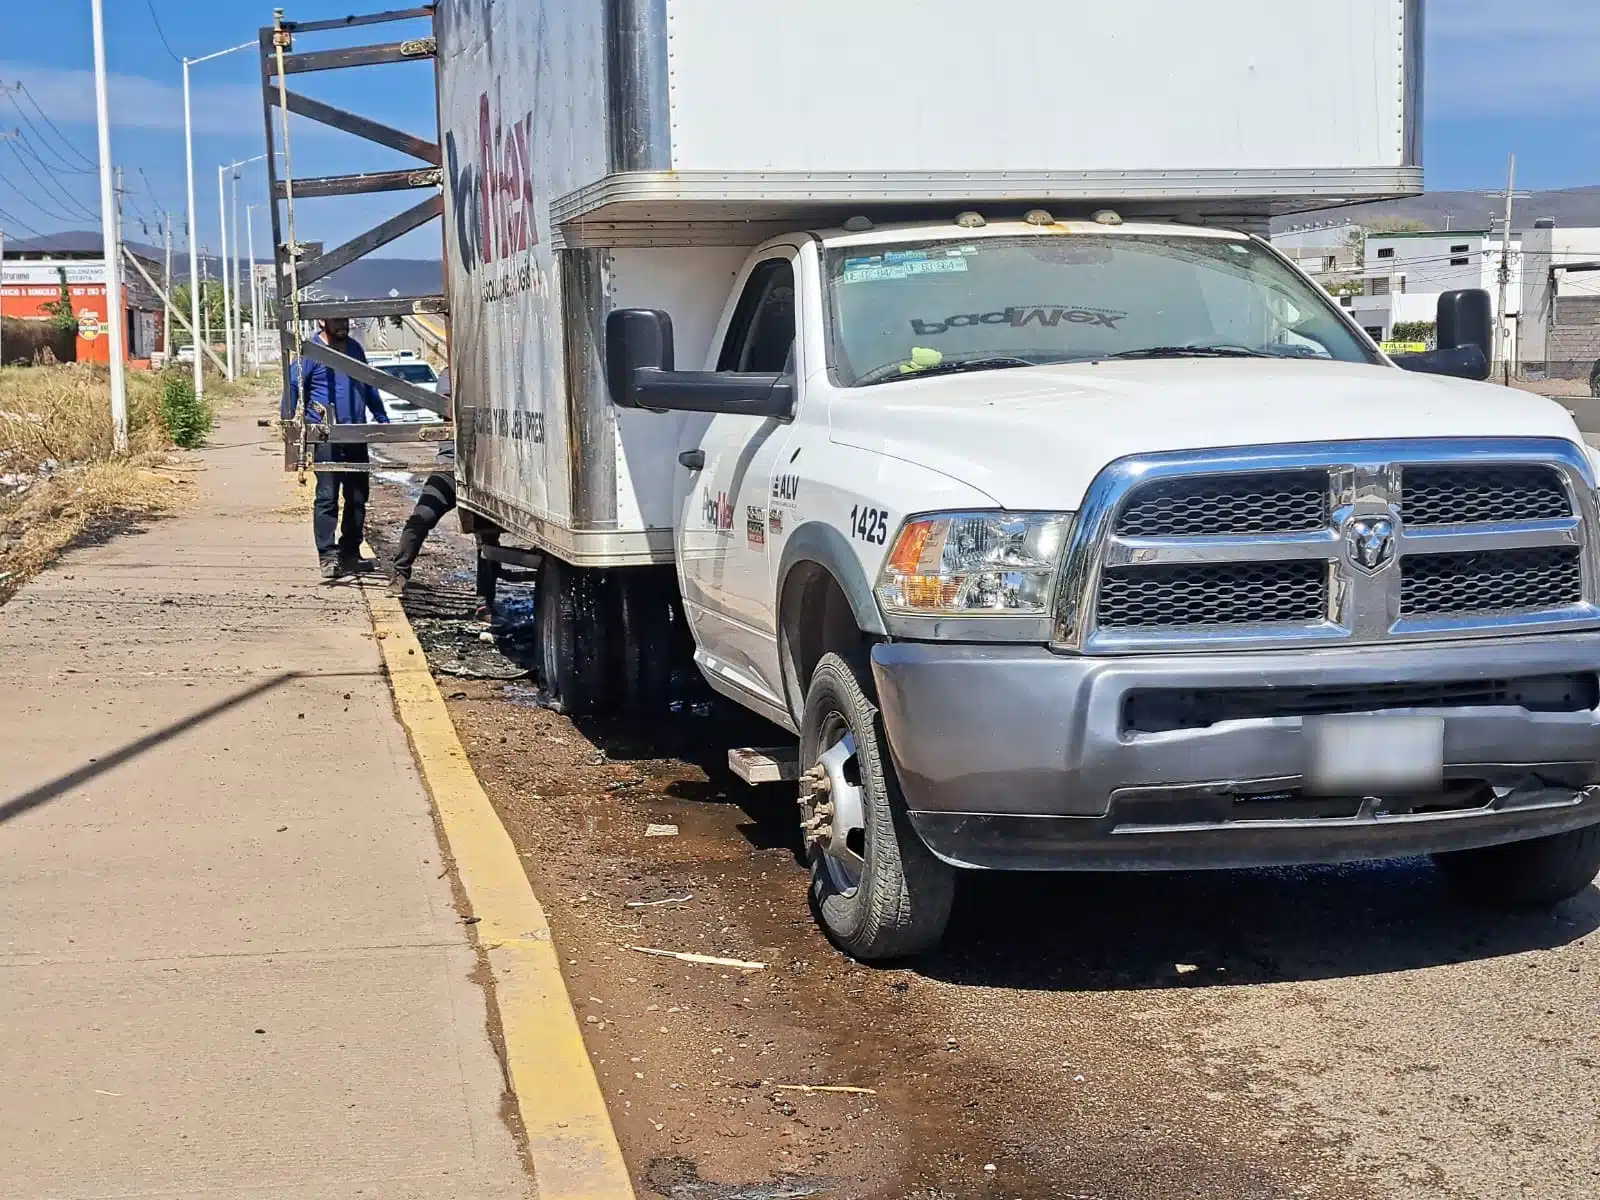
point(351, 401)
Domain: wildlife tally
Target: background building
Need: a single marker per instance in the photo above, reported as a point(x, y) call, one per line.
point(37, 275)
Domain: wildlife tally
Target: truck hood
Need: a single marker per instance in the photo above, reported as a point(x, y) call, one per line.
point(1034, 438)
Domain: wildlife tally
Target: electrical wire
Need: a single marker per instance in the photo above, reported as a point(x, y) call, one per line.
point(34, 204)
point(71, 201)
point(62, 164)
point(18, 222)
point(22, 89)
point(160, 32)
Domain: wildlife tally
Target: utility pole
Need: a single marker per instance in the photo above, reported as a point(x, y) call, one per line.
point(1502, 318)
point(205, 310)
point(109, 238)
point(166, 282)
point(4, 136)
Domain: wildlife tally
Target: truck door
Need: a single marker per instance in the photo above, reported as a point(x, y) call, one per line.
point(727, 581)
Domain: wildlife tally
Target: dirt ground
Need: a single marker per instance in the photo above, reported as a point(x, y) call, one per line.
point(1346, 1033)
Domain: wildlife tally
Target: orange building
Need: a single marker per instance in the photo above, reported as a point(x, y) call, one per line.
point(33, 281)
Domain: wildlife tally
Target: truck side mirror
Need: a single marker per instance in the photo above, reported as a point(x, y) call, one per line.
point(1465, 324)
point(640, 374)
point(635, 338)
point(1466, 318)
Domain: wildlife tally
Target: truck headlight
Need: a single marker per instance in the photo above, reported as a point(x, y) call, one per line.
point(973, 564)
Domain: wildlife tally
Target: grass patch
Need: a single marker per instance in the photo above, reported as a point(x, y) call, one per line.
point(59, 477)
point(188, 417)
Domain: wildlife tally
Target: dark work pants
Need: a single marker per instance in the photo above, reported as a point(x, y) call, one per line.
point(356, 485)
point(439, 497)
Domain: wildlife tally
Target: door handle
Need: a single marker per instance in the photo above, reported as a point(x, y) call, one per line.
point(695, 460)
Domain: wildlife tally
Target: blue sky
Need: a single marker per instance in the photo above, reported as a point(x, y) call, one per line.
point(1523, 76)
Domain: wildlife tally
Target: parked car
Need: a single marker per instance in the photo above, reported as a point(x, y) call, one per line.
point(412, 371)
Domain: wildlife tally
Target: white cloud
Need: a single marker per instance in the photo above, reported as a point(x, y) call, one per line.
point(1486, 58)
point(136, 102)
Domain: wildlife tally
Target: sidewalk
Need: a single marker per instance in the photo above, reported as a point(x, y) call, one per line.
point(230, 962)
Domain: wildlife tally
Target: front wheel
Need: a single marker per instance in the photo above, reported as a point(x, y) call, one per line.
point(1537, 873)
point(876, 890)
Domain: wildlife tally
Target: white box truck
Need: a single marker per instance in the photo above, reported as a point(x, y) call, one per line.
point(925, 365)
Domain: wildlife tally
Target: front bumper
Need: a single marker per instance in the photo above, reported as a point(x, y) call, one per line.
point(1014, 757)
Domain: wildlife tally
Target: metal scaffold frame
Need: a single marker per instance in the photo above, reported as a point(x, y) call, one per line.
point(298, 269)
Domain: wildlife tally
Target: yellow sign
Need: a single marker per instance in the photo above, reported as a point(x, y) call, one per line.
point(88, 325)
point(1403, 347)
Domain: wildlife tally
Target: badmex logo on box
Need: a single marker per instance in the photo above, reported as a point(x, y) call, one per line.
point(491, 191)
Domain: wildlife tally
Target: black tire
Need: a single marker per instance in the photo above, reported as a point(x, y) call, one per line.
point(902, 901)
point(643, 640)
point(1537, 873)
point(571, 629)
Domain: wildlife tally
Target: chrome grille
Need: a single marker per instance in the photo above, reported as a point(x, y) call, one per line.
point(1332, 543)
point(1491, 581)
point(1213, 594)
point(1469, 495)
point(1264, 502)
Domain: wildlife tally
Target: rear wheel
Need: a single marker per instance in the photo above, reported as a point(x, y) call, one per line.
point(1536, 873)
point(641, 600)
point(876, 890)
point(572, 632)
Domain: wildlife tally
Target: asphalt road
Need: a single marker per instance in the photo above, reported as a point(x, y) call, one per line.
point(1351, 1032)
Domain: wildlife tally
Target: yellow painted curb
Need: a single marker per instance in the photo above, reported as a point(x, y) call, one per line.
point(573, 1146)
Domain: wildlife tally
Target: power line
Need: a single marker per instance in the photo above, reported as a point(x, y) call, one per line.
point(28, 121)
point(161, 33)
point(22, 89)
point(151, 188)
point(31, 202)
point(18, 223)
point(71, 202)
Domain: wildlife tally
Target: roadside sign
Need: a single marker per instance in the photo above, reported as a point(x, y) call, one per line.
point(88, 325)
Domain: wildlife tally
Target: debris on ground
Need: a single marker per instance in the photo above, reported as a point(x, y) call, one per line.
point(709, 960)
point(661, 831)
point(825, 1087)
point(654, 903)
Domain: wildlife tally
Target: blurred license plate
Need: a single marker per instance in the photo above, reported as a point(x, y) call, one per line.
point(1373, 754)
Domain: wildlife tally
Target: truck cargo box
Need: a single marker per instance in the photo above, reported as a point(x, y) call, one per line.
point(609, 152)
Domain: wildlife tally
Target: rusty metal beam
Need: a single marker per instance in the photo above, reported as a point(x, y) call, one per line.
point(387, 306)
point(378, 18)
point(360, 185)
point(409, 50)
point(358, 247)
point(362, 127)
point(329, 357)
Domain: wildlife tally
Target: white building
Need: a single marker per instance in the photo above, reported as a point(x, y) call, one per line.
point(1405, 274)
point(1323, 249)
point(1561, 300)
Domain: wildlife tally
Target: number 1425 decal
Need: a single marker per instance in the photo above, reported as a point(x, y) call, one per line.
point(869, 524)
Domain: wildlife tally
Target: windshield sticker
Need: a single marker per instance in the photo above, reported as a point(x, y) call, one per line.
point(1018, 316)
point(865, 270)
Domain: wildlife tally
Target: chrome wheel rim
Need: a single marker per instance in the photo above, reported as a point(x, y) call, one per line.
point(836, 827)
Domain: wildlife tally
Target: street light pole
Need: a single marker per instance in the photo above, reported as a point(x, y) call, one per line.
point(108, 238)
point(255, 291)
point(194, 227)
point(230, 267)
point(227, 310)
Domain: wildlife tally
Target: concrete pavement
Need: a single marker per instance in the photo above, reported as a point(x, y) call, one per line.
point(230, 959)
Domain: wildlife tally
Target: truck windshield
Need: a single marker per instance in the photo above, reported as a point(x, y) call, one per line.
point(912, 308)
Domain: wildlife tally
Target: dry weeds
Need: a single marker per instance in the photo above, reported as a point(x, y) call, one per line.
point(59, 477)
